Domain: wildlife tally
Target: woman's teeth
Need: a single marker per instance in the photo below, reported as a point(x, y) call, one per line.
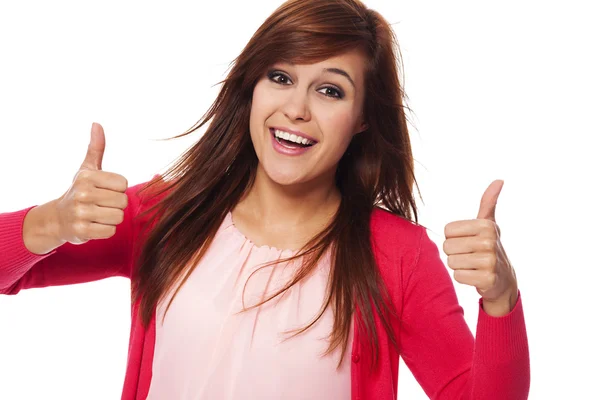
point(292, 138)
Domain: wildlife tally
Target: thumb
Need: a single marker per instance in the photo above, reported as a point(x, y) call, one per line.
point(95, 152)
point(487, 207)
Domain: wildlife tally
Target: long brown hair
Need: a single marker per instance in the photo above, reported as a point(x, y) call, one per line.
point(212, 176)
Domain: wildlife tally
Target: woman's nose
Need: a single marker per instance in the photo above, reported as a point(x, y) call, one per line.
point(296, 106)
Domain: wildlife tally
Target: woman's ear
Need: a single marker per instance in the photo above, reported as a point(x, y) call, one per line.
point(363, 127)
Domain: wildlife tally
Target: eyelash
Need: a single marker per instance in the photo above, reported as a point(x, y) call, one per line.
point(272, 74)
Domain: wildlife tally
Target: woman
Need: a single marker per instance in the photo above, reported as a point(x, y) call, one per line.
point(296, 271)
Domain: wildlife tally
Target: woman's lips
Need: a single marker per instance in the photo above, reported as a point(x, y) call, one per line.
point(285, 150)
point(295, 132)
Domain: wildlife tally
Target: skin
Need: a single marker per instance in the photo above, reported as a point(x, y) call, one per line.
point(294, 197)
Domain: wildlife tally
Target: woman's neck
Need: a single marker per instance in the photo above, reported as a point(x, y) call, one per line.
point(286, 216)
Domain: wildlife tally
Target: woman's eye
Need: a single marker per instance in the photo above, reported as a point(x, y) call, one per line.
point(332, 92)
point(278, 77)
point(283, 79)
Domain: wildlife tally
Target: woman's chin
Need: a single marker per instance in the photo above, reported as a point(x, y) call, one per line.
point(285, 178)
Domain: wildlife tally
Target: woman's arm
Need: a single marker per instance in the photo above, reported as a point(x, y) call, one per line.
point(62, 264)
point(438, 346)
point(40, 234)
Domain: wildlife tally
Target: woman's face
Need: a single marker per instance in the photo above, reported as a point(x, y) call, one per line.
point(321, 104)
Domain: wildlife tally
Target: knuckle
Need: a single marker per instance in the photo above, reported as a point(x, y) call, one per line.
point(492, 227)
point(488, 244)
point(82, 196)
point(445, 247)
point(491, 260)
point(80, 230)
point(448, 229)
point(84, 174)
point(494, 234)
point(79, 213)
point(120, 216)
point(457, 275)
point(124, 201)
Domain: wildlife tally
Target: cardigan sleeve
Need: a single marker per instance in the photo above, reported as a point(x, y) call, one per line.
point(68, 263)
point(439, 348)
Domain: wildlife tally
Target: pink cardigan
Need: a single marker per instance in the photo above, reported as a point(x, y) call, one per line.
point(435, 342)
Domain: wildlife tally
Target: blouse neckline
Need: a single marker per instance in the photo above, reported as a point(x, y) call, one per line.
point(284, 252)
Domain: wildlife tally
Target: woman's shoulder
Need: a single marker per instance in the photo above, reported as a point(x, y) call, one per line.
point(386, 223)
point(396, 240)
point(396, 243)
point(148, 192)
point(143, 196)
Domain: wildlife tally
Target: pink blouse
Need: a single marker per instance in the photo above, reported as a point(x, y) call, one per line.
point(206, 350)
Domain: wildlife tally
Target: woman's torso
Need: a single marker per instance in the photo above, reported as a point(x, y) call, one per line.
point(205, 351)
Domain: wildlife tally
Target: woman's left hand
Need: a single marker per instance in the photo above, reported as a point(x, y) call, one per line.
point(477, 257)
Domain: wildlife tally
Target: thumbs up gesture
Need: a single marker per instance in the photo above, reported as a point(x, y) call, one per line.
point(477, 257)
point(93, 206)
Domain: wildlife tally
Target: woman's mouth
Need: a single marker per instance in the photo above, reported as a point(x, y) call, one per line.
point(289, 144)
point(290, 140)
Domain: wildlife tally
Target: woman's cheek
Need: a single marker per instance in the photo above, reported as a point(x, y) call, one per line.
point(344, 123)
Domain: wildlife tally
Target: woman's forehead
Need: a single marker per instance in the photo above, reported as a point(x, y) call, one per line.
point(351, 63)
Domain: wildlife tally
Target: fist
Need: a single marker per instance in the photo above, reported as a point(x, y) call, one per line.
point(94, 204)
point(476, 254)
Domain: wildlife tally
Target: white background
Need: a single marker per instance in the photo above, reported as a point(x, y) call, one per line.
point(499, 91)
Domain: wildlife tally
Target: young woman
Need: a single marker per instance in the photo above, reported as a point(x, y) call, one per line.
point(279, 257)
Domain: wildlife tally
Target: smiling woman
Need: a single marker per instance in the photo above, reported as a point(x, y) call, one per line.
point(281, 257)
point(318, 102)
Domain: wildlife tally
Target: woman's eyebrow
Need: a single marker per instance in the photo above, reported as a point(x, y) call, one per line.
point(340, 72)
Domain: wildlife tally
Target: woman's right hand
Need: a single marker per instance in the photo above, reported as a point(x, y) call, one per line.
point(93, 206)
